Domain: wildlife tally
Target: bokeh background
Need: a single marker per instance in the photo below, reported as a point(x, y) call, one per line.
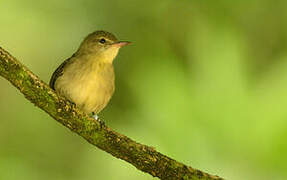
point(204, 82)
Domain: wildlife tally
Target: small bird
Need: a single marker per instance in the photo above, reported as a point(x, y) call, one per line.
point(87, 78)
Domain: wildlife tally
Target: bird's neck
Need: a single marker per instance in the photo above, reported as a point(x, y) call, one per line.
point(106, 56)
point(94, 62)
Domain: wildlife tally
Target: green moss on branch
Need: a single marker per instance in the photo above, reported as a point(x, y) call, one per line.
point(143, 157)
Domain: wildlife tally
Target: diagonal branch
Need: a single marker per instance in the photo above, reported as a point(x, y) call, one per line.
point(143, 157)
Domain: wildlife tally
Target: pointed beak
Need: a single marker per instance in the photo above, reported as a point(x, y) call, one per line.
point(121, 43)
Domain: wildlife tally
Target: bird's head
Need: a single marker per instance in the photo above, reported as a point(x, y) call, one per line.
point(102, 44)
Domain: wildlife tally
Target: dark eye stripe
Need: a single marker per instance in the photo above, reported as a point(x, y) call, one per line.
point(102, 40)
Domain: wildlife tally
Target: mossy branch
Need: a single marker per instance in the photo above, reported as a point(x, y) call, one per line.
point(143, 157)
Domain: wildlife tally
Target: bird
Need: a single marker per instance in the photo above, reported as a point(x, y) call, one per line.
point(87, 78)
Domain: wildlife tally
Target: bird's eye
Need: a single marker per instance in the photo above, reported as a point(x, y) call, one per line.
point(102, 40)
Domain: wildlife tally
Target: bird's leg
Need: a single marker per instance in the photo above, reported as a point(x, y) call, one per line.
point(71, 102)
point(96, 117)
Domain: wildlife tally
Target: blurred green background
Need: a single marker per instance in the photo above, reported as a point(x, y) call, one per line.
point(204, 82)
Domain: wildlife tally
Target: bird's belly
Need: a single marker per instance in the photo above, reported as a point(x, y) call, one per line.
point(91, 93)
point(92, 96)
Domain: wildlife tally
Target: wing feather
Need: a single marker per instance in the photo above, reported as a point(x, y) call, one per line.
point(59, 72)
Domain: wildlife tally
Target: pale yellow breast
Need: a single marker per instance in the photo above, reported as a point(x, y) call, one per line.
point(89, 84)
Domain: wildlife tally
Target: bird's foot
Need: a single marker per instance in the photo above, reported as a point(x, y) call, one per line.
point(71, 102)
point(96, 117)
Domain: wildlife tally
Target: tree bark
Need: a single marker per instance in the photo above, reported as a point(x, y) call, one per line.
point(143, 157)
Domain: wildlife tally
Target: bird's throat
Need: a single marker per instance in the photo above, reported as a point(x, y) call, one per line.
point(109, 54)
